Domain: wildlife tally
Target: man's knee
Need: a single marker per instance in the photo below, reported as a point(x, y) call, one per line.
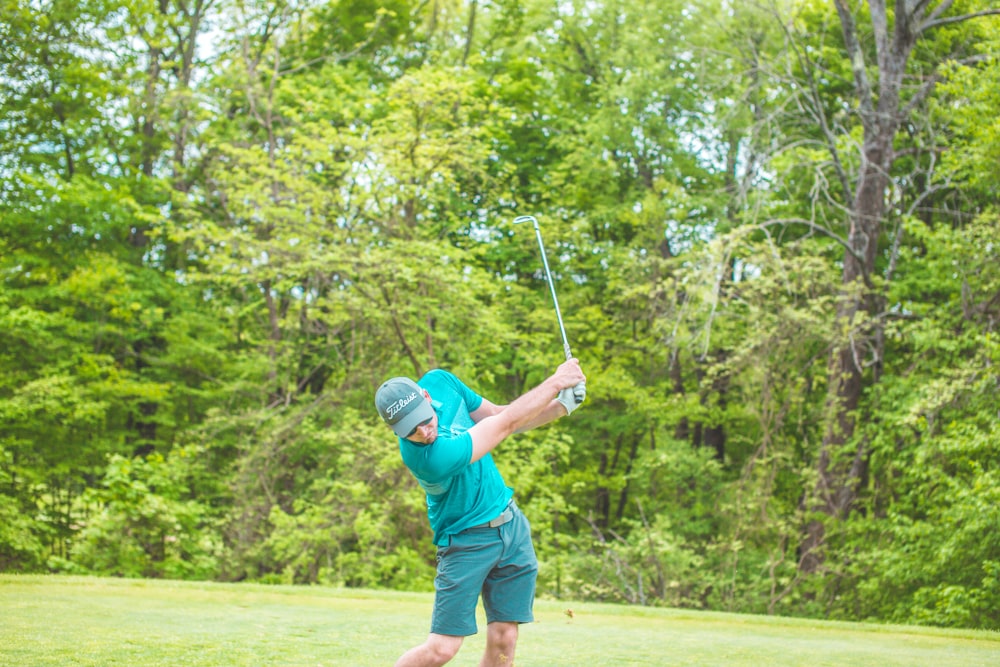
point(443, 647)
point(502, 635)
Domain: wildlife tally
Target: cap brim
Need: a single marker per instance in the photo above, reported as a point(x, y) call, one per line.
point(420, 413)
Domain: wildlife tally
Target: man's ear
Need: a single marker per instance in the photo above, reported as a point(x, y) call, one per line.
point(427, 394)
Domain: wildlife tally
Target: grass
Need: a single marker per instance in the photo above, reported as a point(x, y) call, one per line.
point(47, 620)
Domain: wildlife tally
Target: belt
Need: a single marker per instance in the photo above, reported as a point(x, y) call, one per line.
point(504, 517)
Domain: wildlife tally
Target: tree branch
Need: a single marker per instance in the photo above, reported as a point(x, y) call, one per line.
point(857, 57)
point(925, 195)
point(917, 7)
point(819, 228)
point(880, 27)
point(817, 111)
point(932, 22)
point(939, 10)
point(340, 57)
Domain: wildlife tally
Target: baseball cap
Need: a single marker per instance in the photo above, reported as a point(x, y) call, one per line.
point(401, 404)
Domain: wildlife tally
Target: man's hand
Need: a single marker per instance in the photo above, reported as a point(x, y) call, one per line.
point(573, 385)
point(569, 374)
point(572, 397)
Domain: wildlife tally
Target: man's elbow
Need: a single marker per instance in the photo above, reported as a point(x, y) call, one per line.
point(489, 433)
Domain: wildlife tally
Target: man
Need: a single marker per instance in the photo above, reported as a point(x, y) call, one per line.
point(446, 433)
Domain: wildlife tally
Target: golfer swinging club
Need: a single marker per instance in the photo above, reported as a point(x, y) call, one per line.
point(446, 433)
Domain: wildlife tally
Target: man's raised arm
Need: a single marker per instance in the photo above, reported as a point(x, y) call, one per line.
point(527, 410)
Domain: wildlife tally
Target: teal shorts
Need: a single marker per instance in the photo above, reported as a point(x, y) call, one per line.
point(498, 563)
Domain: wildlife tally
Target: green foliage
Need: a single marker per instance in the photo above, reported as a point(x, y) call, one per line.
point(935, 451)
point(21, 546)
point(142, 522)
point(973, 96)
point(358, 522)
point(210, 258)
point(658, 558)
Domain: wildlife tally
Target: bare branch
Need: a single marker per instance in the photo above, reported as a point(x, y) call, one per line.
point(934, 23)
point(925, 195)
point(857, 57)
point(917, 8)
point(813, 226)
point(897, 239)
point(939, 10)
point(922, 93)
point(880, 26)
point(816, 110)
point(340, 57)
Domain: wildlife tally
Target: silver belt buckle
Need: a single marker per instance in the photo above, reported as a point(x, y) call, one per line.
point(504, 517)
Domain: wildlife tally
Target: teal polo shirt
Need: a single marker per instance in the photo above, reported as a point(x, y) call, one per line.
point(460, 494)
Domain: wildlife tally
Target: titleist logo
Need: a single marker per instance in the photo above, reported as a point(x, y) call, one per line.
point(394, 408)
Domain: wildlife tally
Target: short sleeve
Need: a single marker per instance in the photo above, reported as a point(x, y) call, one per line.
point(446, 458)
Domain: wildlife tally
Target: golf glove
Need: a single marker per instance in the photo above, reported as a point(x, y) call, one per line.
point(572, 397)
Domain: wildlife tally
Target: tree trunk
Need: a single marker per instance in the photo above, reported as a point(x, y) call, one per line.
point(843, 459)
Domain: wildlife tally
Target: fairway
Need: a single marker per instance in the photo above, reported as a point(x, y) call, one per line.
point(63, 621)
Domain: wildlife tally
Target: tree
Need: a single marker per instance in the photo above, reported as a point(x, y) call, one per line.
point(884, 105)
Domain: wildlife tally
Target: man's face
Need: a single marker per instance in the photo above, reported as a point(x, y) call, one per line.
point(426, 432)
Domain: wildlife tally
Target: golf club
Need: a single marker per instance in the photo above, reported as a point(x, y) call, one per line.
point(579, 391)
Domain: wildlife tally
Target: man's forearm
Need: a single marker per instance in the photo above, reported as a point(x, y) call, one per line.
point(551, 412)
point(524, 411)
point(492, 430)
point(534, 407)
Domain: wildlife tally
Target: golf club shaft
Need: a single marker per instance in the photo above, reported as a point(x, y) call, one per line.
point(548, 277)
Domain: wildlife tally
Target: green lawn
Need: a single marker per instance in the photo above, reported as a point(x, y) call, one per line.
point(63, 621)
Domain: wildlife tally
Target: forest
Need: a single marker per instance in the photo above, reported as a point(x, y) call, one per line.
point(773, 226)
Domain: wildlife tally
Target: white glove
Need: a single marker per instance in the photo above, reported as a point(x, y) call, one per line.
point(572, 397)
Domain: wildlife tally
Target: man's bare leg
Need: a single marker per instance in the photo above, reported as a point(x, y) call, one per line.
point(501, 640)
point(436, 651)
